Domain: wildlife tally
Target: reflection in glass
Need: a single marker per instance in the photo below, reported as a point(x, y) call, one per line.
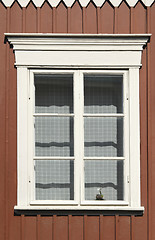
point(103, 136)
point(54, 136)
point(104, 174)
point(54, 93)
point(54, 179)
point(103, 94)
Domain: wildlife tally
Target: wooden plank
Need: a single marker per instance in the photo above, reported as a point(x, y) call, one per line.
point(83, 20)
point(98, 20)
point(61, 18)
point(151, 129)
point(6, 128)
point(54, 20)
point(45, 228)
point(31, 18)
point(116, 226)
point(115, 20)
point(16, 18)
point(122, 223)
point(131, 20)
point(75, 228)
point(68, 20)
point(123, 18)
point(107, 18)
point(22, 225)
point(91, 227)
point(38, 19)
point(123, 228)
point(30, 228)
point(107, 227)
point(60, 228)
point(2, 118)
point(91, 19)
point(139, 227)
point(139, 18)
point(138, 25)
point(149, 232)
point(13, 222)
point(46, 18)
point(76, 18)
point(38, 230)
point(24, 20)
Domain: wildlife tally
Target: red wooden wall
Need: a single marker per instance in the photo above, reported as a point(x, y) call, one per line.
point(91, 19)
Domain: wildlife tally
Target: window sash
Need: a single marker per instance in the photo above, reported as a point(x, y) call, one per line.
point(78, 94)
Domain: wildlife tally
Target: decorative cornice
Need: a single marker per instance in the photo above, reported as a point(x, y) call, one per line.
point(69, 3)
point(73, 41)
point(99, 50)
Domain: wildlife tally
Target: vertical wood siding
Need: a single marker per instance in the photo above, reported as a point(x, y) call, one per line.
point(76, 19)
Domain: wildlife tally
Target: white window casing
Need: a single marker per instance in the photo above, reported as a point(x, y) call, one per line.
point(77, 54)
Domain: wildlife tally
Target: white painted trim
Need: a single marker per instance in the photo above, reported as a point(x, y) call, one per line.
point(54, 202)
point(104, 208)
point(103, 115)
point(79, 58)
point(53, 158)
point(103, 158)
point(125, 116)
point(69, 3)
point(68, 42)
point(22, 130)
point(53, 115)
point(77, 50)
point(81, 121)
point(77, 153)
point(134, 138)
point(31, 136)
point(104, 203)
point(126, 123)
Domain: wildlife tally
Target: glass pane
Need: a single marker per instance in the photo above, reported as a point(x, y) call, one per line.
point(54, 136)
point(103, 136)
point(54, 93)
point(103, 94)
point(106, 175)
point(54, 179)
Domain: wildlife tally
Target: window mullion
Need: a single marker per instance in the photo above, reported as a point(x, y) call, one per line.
point(79, 101)
point(77, 153)
point(53, 115)
point(104, 158)
point(103, 115)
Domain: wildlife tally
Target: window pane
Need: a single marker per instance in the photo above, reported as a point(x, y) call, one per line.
point(53, 93)
point(103, 136)
point(104, 174)
point(54, 136)
point(54, 179)
point(103, 94)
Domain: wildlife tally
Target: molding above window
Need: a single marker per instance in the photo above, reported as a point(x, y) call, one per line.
point(82, 50)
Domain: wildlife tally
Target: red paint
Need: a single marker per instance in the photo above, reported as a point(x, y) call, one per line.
point(75, 20)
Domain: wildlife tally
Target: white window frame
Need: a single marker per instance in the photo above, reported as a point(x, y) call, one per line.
point(82, 53)
point(78, 86)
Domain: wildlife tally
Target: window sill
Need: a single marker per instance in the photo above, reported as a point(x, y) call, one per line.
point(76, 210)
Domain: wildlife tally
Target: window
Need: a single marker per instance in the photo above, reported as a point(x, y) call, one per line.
point(78, 121)
point(79, 133)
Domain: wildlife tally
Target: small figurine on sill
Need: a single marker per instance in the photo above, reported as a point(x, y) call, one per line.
point(99, 196)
